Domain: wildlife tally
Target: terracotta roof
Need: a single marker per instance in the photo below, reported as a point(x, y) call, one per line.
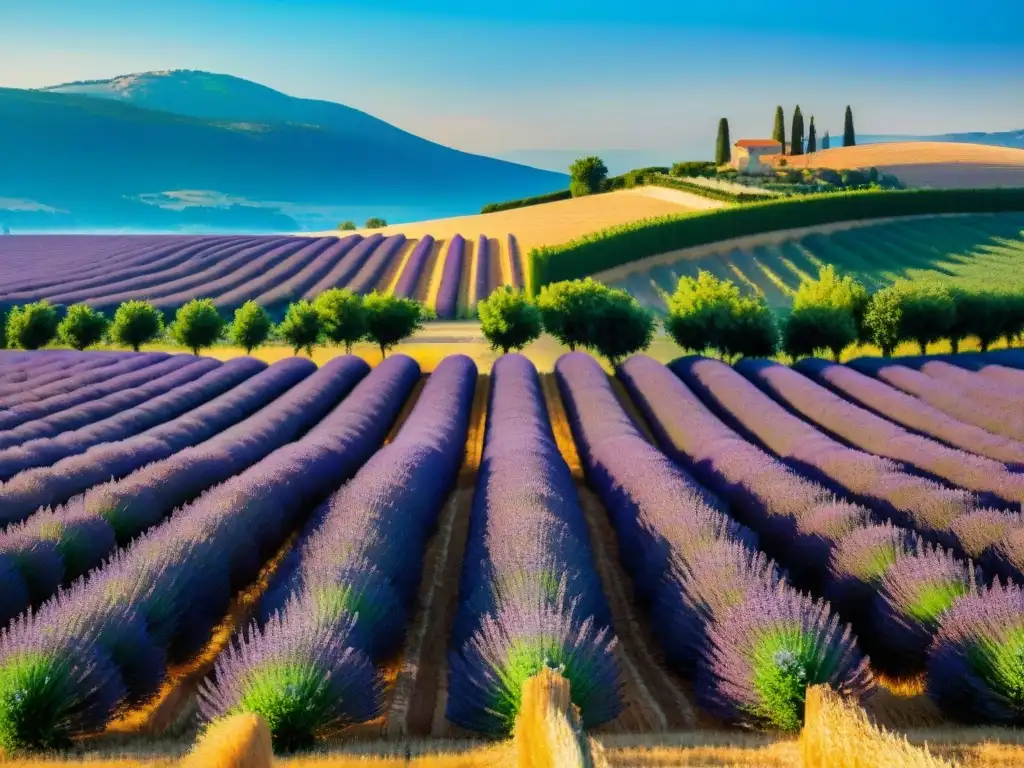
point(757, 143)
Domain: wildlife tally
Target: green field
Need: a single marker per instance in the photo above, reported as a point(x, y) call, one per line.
point(977, 251)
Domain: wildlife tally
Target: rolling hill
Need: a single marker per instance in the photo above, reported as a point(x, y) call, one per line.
point(926, 163)
point(173, 150)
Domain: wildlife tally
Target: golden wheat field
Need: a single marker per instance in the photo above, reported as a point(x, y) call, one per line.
point(557, 222)
point(925, 163)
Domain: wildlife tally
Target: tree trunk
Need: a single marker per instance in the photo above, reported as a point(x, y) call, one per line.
point(348, 347)
point(383, 352)
point(923, 346)
point(955, 345)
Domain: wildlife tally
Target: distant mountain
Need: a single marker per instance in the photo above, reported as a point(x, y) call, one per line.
point(193, 150)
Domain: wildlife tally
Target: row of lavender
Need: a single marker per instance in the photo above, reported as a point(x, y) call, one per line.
point(272, 271)
point(724, 613)
point(108, 638)
point(915, 605)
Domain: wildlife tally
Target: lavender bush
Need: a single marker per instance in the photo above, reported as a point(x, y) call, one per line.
point(353, 581)
point(41, 487)
point(346, 267)
point(451, 279)
point(529, 595)
point(407, 281)
point(179, 576)
point(913, 413)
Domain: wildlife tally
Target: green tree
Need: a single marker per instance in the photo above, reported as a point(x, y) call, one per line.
point(826, 142)
point(342, 315)
point(837, 291)
point(884, 318)
point(849, 136)
point(251, 326)
point(708, 313)
point(723, 147)
point(136, 323)
point(568, 309)
point(819, 326)
point(1012, 314)
point(302, 327)
point(929, 313)
point(622, 327)
point(812, 138)
point(197, 325)
point(392, 319)
point(978, 313)
point(375, 222)
point(796, 146)
point(31, 326)
point(509, 320)
point(587, 176)
point(82, 327)
point(779, 131)
point(348, 224)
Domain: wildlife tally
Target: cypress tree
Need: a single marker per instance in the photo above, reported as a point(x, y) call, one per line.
point(723, 148)
point(826, 142)
point(812, 138)
point(779, 131)
point(797, 137)
point(849, 137)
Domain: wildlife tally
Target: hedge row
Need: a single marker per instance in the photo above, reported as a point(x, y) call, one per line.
point(622, 244)
point(508, 205)
point(697, 189)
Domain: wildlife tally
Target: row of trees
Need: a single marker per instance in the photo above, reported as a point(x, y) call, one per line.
point(797, 135)
point(338, 316)
point(580, 314)
point(835, 312)
point(829, 315)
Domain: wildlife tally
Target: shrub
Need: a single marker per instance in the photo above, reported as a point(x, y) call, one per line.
point(509, 320)
point(844, 294)
point(628, 242)
point(883, 319)
point(928, 313)
point(82, 327)
point(978, 313)
point(302, 327)
point(375, 222)
point(1012, 310)
point(817, 327)
point(568, 310)
point(136, 323)
point(347, 225)
point(32, 326)
point(550, 197)
point(342, 316)
point(622, 327)
point(710, 313)
point(693, 168)
point(251, 327)
point(391, 319)
point(587, 176)
point(197, 324)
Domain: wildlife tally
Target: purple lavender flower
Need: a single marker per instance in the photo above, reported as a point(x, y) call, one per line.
point(975, 672)
point(764, 654)
point(451, 279)
point(302, 677)
point(913, 597)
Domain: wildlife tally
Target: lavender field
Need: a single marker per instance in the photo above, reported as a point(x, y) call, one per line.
point(170, 270)
point(360, 553)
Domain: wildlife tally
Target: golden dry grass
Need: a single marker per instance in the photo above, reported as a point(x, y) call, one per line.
point(240, 741)
point(927, 163)
point(838, 734)
point(558, 222)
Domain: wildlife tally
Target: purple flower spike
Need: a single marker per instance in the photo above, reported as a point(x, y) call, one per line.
point(975, 673)
point(762, 657)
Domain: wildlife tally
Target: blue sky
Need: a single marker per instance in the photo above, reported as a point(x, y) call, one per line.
point(563, 74)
